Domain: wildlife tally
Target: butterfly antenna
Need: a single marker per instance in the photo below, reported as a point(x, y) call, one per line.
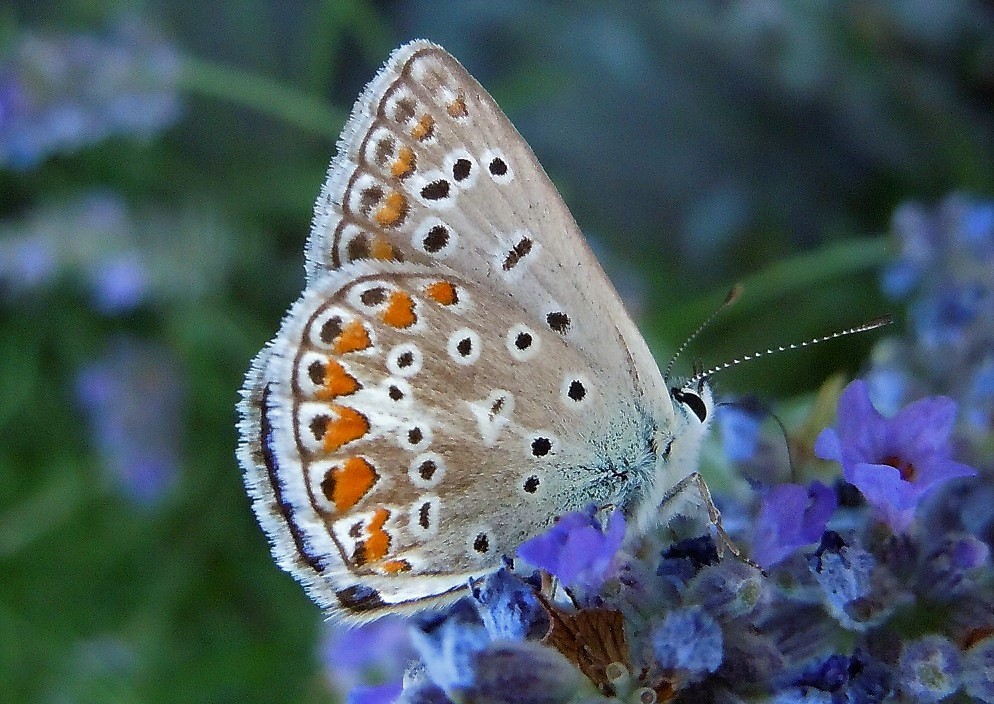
point(733, 294)
point(865, 327)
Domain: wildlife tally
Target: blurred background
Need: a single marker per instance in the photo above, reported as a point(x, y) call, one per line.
point(158, 165)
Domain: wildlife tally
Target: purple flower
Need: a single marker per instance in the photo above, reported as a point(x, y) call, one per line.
point(739, 424)
point(59, 93)
point(929, 669)
point(376, 694)
point(730, 589)
point(953, 566)
point(449, 645)
point(918, 234)
point(26, 263)
point(855, 679)
point(978, 670)
point(845, 574)
point(576, 549)
point(888, 383)
point(688, 641)
point(977, 228)
point(895, 462)
point(509, 607)
point(463, 659)
point(353, 656)
point(980, 397)
point(133, 397)
point(120, 284)
point(791, 516)
point(942, 318)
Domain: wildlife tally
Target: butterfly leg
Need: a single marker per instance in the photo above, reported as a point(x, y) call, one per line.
point(693, 490)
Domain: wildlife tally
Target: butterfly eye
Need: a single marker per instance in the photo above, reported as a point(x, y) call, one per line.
point(692, 401)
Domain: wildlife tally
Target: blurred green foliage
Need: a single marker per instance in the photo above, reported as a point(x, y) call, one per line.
point(698, 143)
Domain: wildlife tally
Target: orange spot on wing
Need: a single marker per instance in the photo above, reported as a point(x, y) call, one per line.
point(347, 484)
point(442, 292)
point(399, 312)
point(352, 338)
point(378, 542)
point(396, 566)
point(457, 108)
point(337, 382)
point(403, 166)
point(424, 129)
point(381, 248)
point(350, 425)
point(393, 212)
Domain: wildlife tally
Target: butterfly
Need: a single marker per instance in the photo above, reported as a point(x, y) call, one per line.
point(458, 371)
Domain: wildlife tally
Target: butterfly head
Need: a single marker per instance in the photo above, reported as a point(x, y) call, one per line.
point(677, 432)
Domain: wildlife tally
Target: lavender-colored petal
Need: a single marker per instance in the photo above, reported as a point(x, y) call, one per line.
point(938, 471)
point(888, 387)
point(923, 428)
point(575, 549)
point(822, 502)
point(739, 428)
point(352, 655)
point(860, 427)
point(828, 446)
point(882, 485)
point(777, 528)
point(899, 520)
point(791, 516)
point(377, 694)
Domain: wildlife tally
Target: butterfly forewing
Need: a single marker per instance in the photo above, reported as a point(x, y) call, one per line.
point(431, 171)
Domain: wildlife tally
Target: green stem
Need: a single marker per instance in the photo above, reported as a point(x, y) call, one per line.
point(780, 281)
point(261, 94)
point(50, 508)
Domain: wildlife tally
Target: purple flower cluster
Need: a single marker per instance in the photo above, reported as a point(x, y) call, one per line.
point(133, 401)
point(60, 93)
point(367, 663)
point(896, 462)
point(874, 580)
point(945, 275)
point(122, 260)
point(577, 549)
point(92, 237)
